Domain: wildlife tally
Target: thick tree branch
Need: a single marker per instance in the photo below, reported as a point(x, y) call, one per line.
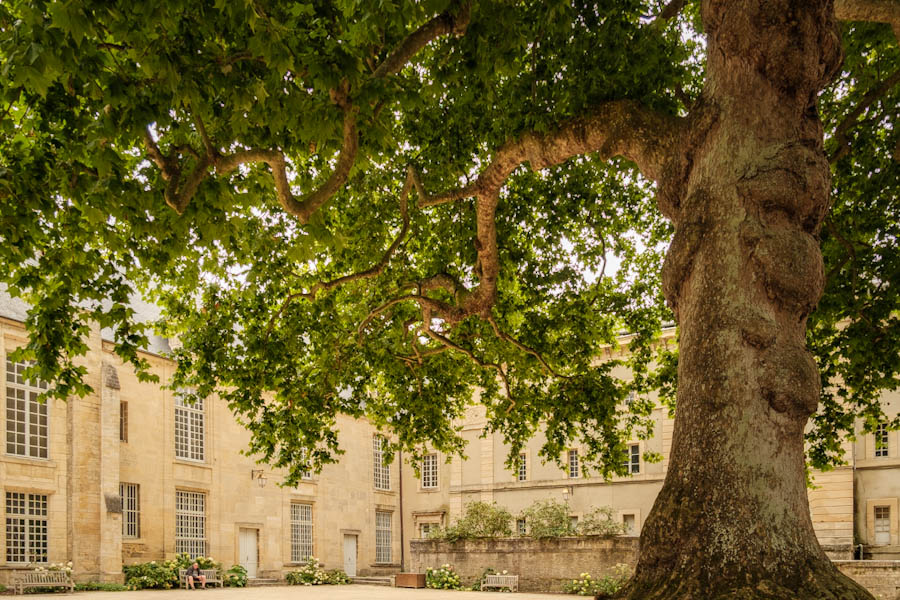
point(454, 20)
point(669, 11)
point(873, 11)
point(843, 128)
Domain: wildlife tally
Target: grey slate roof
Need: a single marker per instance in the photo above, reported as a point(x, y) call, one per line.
point(17, 310)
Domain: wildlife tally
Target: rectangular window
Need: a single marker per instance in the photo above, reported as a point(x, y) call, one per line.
point(425, 529)
point(882, 525)
point(301, 532)
point(190, 523)
point(881, 440)
point(522, 474)
point(131, 509)
point(628, 521)
point(26, 418)
point(26, 528)
point(574, 470)
point(190, 421)
point(382, 471)
point(520, 526)
point(430, 472)
point(123, 421)
point(573, 523)
point(633, 459)
point(382, 537)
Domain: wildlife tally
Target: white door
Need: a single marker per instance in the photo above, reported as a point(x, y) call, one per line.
point(249, 550)
point(350, 555)
point(882, 525)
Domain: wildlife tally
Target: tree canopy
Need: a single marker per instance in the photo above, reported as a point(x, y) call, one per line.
point(382, 208)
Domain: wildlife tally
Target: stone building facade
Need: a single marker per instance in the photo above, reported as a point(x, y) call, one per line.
point(130, 474)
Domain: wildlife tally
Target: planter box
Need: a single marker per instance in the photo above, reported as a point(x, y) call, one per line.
point(409, 580)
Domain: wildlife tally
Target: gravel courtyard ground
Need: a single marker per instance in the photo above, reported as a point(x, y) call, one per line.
point(322, 592)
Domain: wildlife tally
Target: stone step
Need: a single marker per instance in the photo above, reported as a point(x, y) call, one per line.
point(372, 580)
point(260, 582)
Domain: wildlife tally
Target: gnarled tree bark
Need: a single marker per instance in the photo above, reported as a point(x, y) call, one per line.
point(743, 272)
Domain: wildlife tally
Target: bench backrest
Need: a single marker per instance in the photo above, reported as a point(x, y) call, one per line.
point(500, 579)
point(45, 577)
point(208, 573)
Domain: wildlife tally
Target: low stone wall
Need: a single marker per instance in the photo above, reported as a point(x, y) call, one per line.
point(542, 565)
point(881, 577)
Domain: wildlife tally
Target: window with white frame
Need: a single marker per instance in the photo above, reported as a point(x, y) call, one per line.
point(131, 509)
point(430, 472)
point(425, 529)
point(521, 526)
point(301, 531)
point(26, 528)
point(190, 523)
point(382, 470)
point(27, 420)
point(633, 459)
point(382, 536)
point(522, 472)
point(574, 467)
point(190, 426)
point(123, 421)
point(881, 440)
point(882, 525)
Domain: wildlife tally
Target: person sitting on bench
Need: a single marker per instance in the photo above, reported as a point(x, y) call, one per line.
point(194, 573)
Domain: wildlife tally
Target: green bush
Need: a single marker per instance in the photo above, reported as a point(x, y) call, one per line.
point(163, 575)
point(606, 586)
point(444, 578)
point(481, 520)
point(548, 519)
point(97, 586)
point(601, 521)
point(313, 574)
point(236, 576)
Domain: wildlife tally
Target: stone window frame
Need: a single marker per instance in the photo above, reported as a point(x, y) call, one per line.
point(123, 421)
point(522, 467)
point(34, 447)
point(27, 519)
point(190, 430)
point(433, 519)
point(384, 536)
point(131, 510)
point(303, 538)
point(430, 476)
point(634, 512)
point(892, 505)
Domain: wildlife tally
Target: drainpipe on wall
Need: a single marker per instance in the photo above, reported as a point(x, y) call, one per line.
point(402, 546)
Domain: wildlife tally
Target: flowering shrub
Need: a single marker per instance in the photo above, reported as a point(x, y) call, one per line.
point(444, 578)
point(236, 576)
point(65, 567)
point(603, 587)
point(313, 574)
point(163, 575)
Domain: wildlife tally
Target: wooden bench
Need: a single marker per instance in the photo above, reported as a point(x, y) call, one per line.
point(39, 579)
point(212, 578)
point(501, 581)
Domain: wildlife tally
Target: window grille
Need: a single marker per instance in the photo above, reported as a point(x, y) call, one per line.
point(382, 471)
point(301, 532)
point(190, 421)
point(425, 529)
point(523, 467)
point(882, 525)
point(27, 420)
point(190, 523)
point(881, 440)
point(382, 537)
point(123, 421)
point(430, 471)
point(131, 510)
point(26, 528)
point(633, 459)
point(574, 470)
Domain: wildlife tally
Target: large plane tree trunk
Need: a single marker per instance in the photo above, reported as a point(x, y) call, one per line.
point(743, 272)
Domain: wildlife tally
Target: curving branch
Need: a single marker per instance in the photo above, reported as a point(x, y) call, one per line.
point(526, 349)
point(870, 97)
point(454, 21)
point(668, 12)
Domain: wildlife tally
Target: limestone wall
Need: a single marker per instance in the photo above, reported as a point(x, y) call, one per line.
point(542, 565)
point(881, 577)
